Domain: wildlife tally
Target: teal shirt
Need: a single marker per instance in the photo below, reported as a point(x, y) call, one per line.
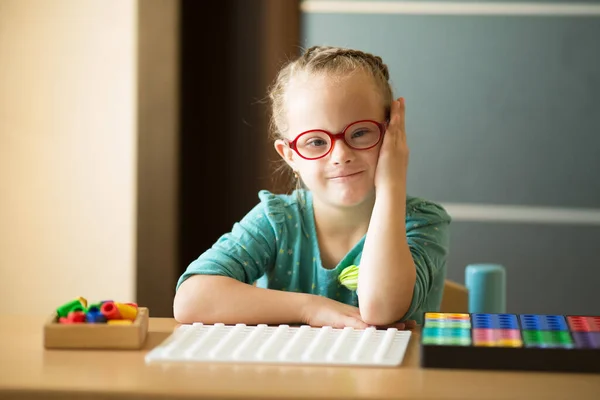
point(276, 246)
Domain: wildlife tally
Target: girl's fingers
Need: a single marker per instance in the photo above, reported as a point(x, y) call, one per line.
point(401, 116)
point(397, 124)
point(410, 324)
point(395, 121)
point(355, 323)
point(397, 325)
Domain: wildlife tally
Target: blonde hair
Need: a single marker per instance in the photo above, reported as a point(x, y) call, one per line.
point(333, 61)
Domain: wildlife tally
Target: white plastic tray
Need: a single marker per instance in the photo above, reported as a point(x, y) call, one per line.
point(282, 344)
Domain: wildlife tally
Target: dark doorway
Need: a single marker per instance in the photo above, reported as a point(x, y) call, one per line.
point(228, 54)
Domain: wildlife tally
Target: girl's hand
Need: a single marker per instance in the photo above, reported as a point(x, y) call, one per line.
point(392, 165)
point(322, 311)
point(408, 325)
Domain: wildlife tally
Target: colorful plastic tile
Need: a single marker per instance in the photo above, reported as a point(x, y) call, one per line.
point(568, 343)
point(448, 323)
point(587, 340)
point(446, 320)
point(548, 339)
point(584, 323)
point(533, 322)
point(446, 336)
point(447, 316)
point(458, 316)
point(495, 321)
point(432, 315)
point(497, 337)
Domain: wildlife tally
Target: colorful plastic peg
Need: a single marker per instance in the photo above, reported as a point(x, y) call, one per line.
point(95, 317)
point(127, 311)
point(94, 307)
point(75, 317)
point(110, 311)
point(75, 305)
point(119, 322)
point(83, 301)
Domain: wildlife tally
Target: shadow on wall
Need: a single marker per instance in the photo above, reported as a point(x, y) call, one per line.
point(224, 157)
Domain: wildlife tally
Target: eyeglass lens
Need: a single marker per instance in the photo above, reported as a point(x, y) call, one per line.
point(360, 135)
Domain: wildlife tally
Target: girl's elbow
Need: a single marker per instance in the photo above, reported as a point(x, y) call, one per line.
point(374, 318)
point(182, 308)
point(187, 306)
point(377, 313)
point(182, 316)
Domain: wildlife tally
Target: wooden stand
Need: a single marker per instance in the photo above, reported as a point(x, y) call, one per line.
point(96, 336)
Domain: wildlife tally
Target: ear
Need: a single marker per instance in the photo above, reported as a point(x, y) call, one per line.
point(285, 152)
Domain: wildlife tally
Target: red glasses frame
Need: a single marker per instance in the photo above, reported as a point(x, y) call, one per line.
point(337, 136)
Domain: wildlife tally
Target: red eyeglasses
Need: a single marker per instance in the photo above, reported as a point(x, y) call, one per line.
point(317, 143)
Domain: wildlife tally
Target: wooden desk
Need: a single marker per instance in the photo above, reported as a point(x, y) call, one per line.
point(28, 371)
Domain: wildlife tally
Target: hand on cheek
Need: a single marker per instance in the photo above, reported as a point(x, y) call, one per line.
point(392, 164)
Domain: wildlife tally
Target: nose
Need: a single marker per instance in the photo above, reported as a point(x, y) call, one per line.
point(341, 153)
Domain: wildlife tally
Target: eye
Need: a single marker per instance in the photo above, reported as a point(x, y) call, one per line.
point(359, 133)
point(316, 142)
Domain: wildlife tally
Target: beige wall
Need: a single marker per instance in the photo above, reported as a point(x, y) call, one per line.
point(67, 152)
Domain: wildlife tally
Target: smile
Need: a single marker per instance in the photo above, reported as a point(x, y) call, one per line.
point(345, 177)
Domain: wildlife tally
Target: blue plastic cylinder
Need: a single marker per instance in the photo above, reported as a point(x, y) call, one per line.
point(95, 317)
point(487, 288)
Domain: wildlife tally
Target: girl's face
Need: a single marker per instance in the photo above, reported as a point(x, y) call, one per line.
point(345, 176)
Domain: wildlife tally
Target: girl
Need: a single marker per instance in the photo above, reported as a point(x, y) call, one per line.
point(339, 130)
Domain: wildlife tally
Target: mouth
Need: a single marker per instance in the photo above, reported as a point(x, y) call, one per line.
point(343, 176)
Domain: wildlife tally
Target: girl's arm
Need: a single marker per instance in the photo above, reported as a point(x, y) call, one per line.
point(212, 299)
point(387, 271)
point(217, 287)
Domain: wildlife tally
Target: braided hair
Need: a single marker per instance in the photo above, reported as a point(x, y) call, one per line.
point(334, 61)
point(325, 60)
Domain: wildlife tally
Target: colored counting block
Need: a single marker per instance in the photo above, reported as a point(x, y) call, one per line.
point(457, 316)
point(594, 323)
point(587, 340)
point(554, 339)
point(447, 316)
point(435, 323)
point(447, 336)
point(510, 343)
point(484, 337)
point(528, 342)
point(495, 321)
point(533, 322)
point(497, 337)
point(584, 324)
point(443, 320)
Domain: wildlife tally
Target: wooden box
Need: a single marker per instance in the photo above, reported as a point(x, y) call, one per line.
point(96, 336)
